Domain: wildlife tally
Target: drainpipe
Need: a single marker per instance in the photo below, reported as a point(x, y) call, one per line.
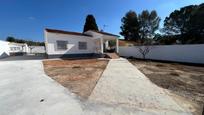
point(101, 40)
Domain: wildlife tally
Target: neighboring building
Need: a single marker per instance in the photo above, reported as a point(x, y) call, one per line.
point(12, 49)
point(17, 48)
point(4, 49)
point(61, 43)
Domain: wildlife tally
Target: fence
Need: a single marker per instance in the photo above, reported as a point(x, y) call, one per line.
point(36, 49)
point(177, 53)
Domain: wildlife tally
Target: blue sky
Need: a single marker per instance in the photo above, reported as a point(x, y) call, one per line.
point(27, 19)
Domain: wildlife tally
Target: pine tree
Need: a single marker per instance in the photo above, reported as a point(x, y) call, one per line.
point(149, 23)
point(90, 23)
point(130, 26)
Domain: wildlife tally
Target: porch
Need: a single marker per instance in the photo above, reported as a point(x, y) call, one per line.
point(107, 44)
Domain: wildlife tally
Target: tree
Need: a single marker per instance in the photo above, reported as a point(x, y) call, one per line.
point(187, 22)
point(177, 21)
point(145, 47)
point(10, 39)
point(130, 26)
point(90, 23)
point(29, 42)
point(149, 23)
point(144, 50)
point(195, 26)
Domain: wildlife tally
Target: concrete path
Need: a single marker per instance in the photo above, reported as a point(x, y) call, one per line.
point(26, 90)
point(124, 90)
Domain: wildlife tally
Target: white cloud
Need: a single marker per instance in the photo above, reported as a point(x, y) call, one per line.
point(31, 18)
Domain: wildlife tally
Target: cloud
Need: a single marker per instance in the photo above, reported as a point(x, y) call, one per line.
point(31, 18)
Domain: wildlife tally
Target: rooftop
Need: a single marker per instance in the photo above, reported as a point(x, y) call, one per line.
point(66, 32)
point(77, 33)
point(105, 33)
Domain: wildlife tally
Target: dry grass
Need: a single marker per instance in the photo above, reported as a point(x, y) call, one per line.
point(186, 82)
point(174, 74)
point(80, 76)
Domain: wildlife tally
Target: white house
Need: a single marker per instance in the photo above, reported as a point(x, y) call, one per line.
point(61, 43)
point(17, 48)
point(11, 48)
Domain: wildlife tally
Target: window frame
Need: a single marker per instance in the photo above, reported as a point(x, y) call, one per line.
point(82, 47)
point(58, 44)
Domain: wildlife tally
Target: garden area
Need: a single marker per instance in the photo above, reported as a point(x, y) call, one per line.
point(184, 82)
point(79, 76)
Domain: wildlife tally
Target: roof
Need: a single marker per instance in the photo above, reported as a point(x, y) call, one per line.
point(77, 33)
point(66, 32)
point(105, 33)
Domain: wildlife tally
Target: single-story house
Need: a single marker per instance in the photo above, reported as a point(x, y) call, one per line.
point(11, 48)
point(60, 43)
point(17, 48)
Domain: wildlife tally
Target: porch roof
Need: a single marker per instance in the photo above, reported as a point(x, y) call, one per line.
point(107, 37)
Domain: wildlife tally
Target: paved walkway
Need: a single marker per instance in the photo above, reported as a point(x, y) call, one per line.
point(124, 90)
point(26, 90)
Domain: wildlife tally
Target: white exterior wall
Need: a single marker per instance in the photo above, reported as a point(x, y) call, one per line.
point(36, 49)
point(20, 47)
point(179, 53)
point(4, 49)
point(51, 44)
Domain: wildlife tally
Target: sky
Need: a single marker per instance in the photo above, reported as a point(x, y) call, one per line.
point(27, 19)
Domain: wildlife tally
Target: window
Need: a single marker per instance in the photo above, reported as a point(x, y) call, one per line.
point(82, 45)
point(14, 48)
point(11, 48)
point(62, 45)
point(17, 48)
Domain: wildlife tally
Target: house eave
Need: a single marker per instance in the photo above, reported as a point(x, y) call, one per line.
point(66, 32)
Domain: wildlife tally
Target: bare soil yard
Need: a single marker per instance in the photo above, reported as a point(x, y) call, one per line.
point(80, 76)
point(185, 83)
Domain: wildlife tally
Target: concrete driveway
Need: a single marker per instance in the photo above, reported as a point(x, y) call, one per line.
point(26, 90)
point(24, 57)
point(122, 90)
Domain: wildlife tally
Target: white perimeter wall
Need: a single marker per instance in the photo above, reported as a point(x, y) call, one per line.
point(4, 49)
point(51, 38)
point(179, 53)
point(36, 49)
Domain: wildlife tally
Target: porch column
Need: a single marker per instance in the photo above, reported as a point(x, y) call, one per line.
point(101, 40)
point(117, 46)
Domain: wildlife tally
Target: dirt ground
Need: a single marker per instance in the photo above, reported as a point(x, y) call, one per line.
point(80, 76)
point(183, 82)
